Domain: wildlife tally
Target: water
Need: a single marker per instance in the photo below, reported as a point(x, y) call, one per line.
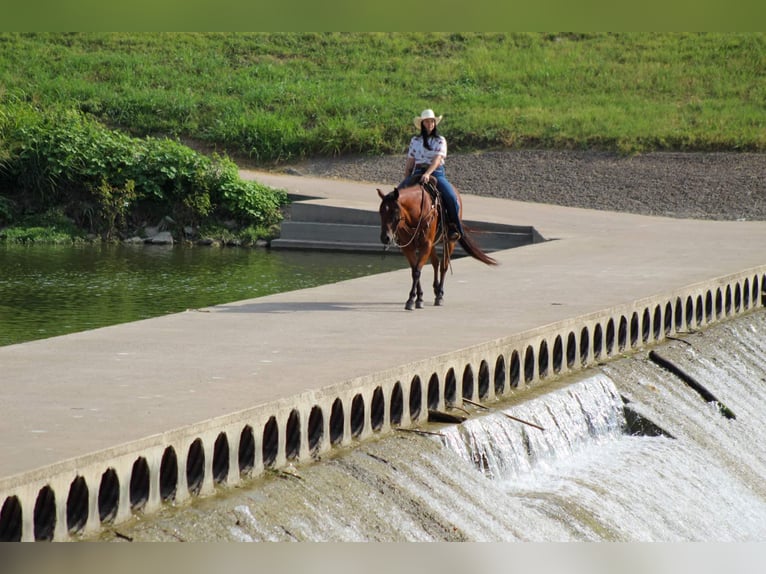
point(584, 477)
point(55, 290)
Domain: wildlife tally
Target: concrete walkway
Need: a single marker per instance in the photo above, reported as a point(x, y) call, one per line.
point(69, 396)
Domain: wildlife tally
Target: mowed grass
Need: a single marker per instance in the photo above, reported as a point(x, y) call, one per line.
point(278, 97)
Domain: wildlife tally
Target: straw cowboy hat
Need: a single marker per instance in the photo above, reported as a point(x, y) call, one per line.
point(426, 115)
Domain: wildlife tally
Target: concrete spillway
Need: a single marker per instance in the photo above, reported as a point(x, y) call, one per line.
point(103, 424)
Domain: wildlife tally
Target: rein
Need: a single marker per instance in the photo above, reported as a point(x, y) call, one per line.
point(420, 220)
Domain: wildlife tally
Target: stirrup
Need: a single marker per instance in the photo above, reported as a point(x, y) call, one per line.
point(453, 234)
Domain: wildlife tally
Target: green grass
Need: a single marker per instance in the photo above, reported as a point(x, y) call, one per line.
point(277, 97)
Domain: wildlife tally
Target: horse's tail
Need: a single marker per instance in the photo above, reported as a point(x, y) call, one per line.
point(470, 247)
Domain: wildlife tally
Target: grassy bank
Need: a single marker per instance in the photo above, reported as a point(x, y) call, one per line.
point(283, 96)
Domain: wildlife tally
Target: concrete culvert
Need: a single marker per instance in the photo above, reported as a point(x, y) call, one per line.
point(195, 467)
point(45, 514)
point(168, 474)
point(77, 505)
point(11, 520)
point(221, 456)
point(108, 496)
point(139, 484)
point(246, 454)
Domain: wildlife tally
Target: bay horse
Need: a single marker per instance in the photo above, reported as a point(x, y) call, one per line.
point(414, 220)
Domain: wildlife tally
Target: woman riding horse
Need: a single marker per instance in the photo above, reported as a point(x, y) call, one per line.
point(425, 158)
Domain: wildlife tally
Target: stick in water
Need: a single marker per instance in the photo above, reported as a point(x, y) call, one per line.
point(524, 422)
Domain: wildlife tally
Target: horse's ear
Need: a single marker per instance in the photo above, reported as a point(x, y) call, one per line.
point(380, 193)
point(395, 193)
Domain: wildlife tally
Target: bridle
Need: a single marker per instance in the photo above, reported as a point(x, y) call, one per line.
point(396, 221)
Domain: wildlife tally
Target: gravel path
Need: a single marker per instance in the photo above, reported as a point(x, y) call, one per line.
point(723, 186)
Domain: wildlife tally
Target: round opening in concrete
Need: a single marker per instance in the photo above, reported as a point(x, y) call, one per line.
point(709, 307)
point(195, 467)
point(679, 315)
point(397, 404)
point(515, 369)
point(484, 380)
point(571, 350)
point(416, 398)
point(529, 364)
point(246, 452)
point(77, 505)
point(668, 318)
point(634, 329)
point(433, 392)
point(728, 300)
point(108, 496)
point(10, 520)
point(542, 359)
point(450, 388)
point(558, 354)
point(746, 293)
point(357, 416)
point(622, 334)
point(316, 429)
point(467, 390)
point(293, 435)
point(221, 455)
point(500, 376)
point(610, 337)
point(646, 325)
point(718, 303)
point(689, 312)
point(700, 314)
point(139, 484)
point(336, 422)
point(598, 341)
point(377, 410)
point(168, 474)
point(584, 345)
point(45, 514)
point(270, 445)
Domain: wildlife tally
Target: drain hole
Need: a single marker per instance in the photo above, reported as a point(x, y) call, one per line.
point(692, 382)
point(336, 422)
point(416, 398)
point(515, 370)
point(316, 429)
point(571, 350)
point(377, 410)
point(468, 382)
point(270, 442)
point(168, 474)
point(433, 392)
point(529, 365)
point(195, 467)
point(558, 355)
point(397, 405)
point(500, 376)
point(77, 505)
point(610, 338)
point(221, 459)
point(45, 514)
point(357, 416)
point(293, 435)
point(598, 342)
point(542, 360)
point(10, 520)
point(246, 453)
point(108, 496)
point(139, 484)
point(450, 388)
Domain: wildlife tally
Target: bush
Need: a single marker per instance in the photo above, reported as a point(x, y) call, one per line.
point(103, 179)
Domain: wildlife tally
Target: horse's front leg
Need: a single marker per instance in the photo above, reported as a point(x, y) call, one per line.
point(416, 291)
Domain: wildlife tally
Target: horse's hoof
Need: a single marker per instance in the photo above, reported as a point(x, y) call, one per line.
point(408, 305)
point(437, 302)
point(419, 305)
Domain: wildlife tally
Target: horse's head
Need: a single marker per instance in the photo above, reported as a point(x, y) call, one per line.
point(390, 213)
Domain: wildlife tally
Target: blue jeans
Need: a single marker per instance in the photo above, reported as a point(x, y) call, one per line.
point(449, 196)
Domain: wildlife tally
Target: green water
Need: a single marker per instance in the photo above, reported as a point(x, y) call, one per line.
point(47, 290)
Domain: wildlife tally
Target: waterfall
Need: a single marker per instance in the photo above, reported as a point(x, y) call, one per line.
point(563, 462)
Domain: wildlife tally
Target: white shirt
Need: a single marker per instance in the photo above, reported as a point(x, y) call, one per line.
point(423, 155)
